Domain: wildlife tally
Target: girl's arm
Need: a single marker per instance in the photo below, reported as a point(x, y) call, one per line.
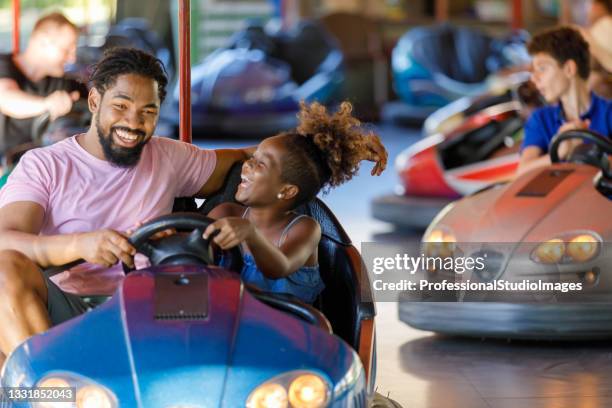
point(300, 243)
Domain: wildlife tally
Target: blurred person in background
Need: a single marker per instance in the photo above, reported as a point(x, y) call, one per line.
point(560, 72)
point(599, 36)
point(33, 87)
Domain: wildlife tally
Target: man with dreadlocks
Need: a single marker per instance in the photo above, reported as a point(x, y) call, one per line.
point(74, 200)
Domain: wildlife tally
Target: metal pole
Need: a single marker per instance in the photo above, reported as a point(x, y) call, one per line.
point(16, 15)
point(517, 15)
point(441, 11)
point(566, 12)
point(184, 71)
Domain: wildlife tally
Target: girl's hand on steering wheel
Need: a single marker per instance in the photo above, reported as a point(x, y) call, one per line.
point(232, 231)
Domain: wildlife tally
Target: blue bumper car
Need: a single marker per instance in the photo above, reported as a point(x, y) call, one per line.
point(253, 86)
point(187, 332)
point(433, 66)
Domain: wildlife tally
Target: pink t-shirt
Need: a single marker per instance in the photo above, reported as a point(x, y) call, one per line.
point(81, 193)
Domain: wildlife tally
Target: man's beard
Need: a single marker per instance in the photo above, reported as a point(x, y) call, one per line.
point(118, 155)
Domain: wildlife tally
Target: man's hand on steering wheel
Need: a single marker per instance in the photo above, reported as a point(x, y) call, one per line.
point(105, 247)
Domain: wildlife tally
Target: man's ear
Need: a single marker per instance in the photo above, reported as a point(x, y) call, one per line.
point(289, 191)
point(94, 99)
point(570, 68)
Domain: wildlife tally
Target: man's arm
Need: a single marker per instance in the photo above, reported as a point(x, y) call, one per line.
point(532, 156)
point(20, 224)
point(20, 105)
point(599, 53)
point(226, 158)
point(602, 55)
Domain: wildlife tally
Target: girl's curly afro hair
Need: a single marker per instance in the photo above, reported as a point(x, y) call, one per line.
point(325, 149)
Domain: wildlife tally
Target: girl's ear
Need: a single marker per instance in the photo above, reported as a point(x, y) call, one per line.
point(289, 191)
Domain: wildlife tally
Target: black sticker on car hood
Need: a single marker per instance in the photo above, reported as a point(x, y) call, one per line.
point(181, 296)
point(544, 183)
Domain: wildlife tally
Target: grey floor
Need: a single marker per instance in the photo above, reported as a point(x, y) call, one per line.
point(423, 370)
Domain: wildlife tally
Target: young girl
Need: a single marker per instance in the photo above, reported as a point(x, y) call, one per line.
point(287, 170)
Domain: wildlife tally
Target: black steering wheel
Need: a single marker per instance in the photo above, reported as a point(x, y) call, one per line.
point(176, 249)
point(594, 153)
point(182, 249)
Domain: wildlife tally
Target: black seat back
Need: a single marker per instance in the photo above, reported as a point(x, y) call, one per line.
point(346, 299)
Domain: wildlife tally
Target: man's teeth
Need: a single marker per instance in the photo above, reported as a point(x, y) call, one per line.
point(126, 135)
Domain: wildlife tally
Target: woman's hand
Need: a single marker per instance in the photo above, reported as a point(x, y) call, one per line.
point(376, 153)
point(232, 231)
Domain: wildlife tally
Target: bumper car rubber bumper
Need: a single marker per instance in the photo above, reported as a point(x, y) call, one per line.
point(575, 321)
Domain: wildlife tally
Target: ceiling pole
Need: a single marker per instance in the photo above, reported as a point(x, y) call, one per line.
point(441, 11)
point(16, 15)
point(566, 12)
point(517, 15)
point(185, 71)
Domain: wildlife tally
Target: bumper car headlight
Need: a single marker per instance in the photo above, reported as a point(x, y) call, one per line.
point(550, 252)
point(268, 396)
point(93, 396)
point(570, 248)
point(439, 242)
point(295, 389)
point(88, 393)
point(582, 248)
point(308, 391)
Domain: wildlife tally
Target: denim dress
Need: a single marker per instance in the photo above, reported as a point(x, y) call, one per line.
point(305, 283)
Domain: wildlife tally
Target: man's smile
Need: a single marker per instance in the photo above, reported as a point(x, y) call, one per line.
point(126, 138)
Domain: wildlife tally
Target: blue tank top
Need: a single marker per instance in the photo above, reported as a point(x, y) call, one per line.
point(305, 283)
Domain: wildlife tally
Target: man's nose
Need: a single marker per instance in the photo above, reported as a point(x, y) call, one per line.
point(134, 119)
